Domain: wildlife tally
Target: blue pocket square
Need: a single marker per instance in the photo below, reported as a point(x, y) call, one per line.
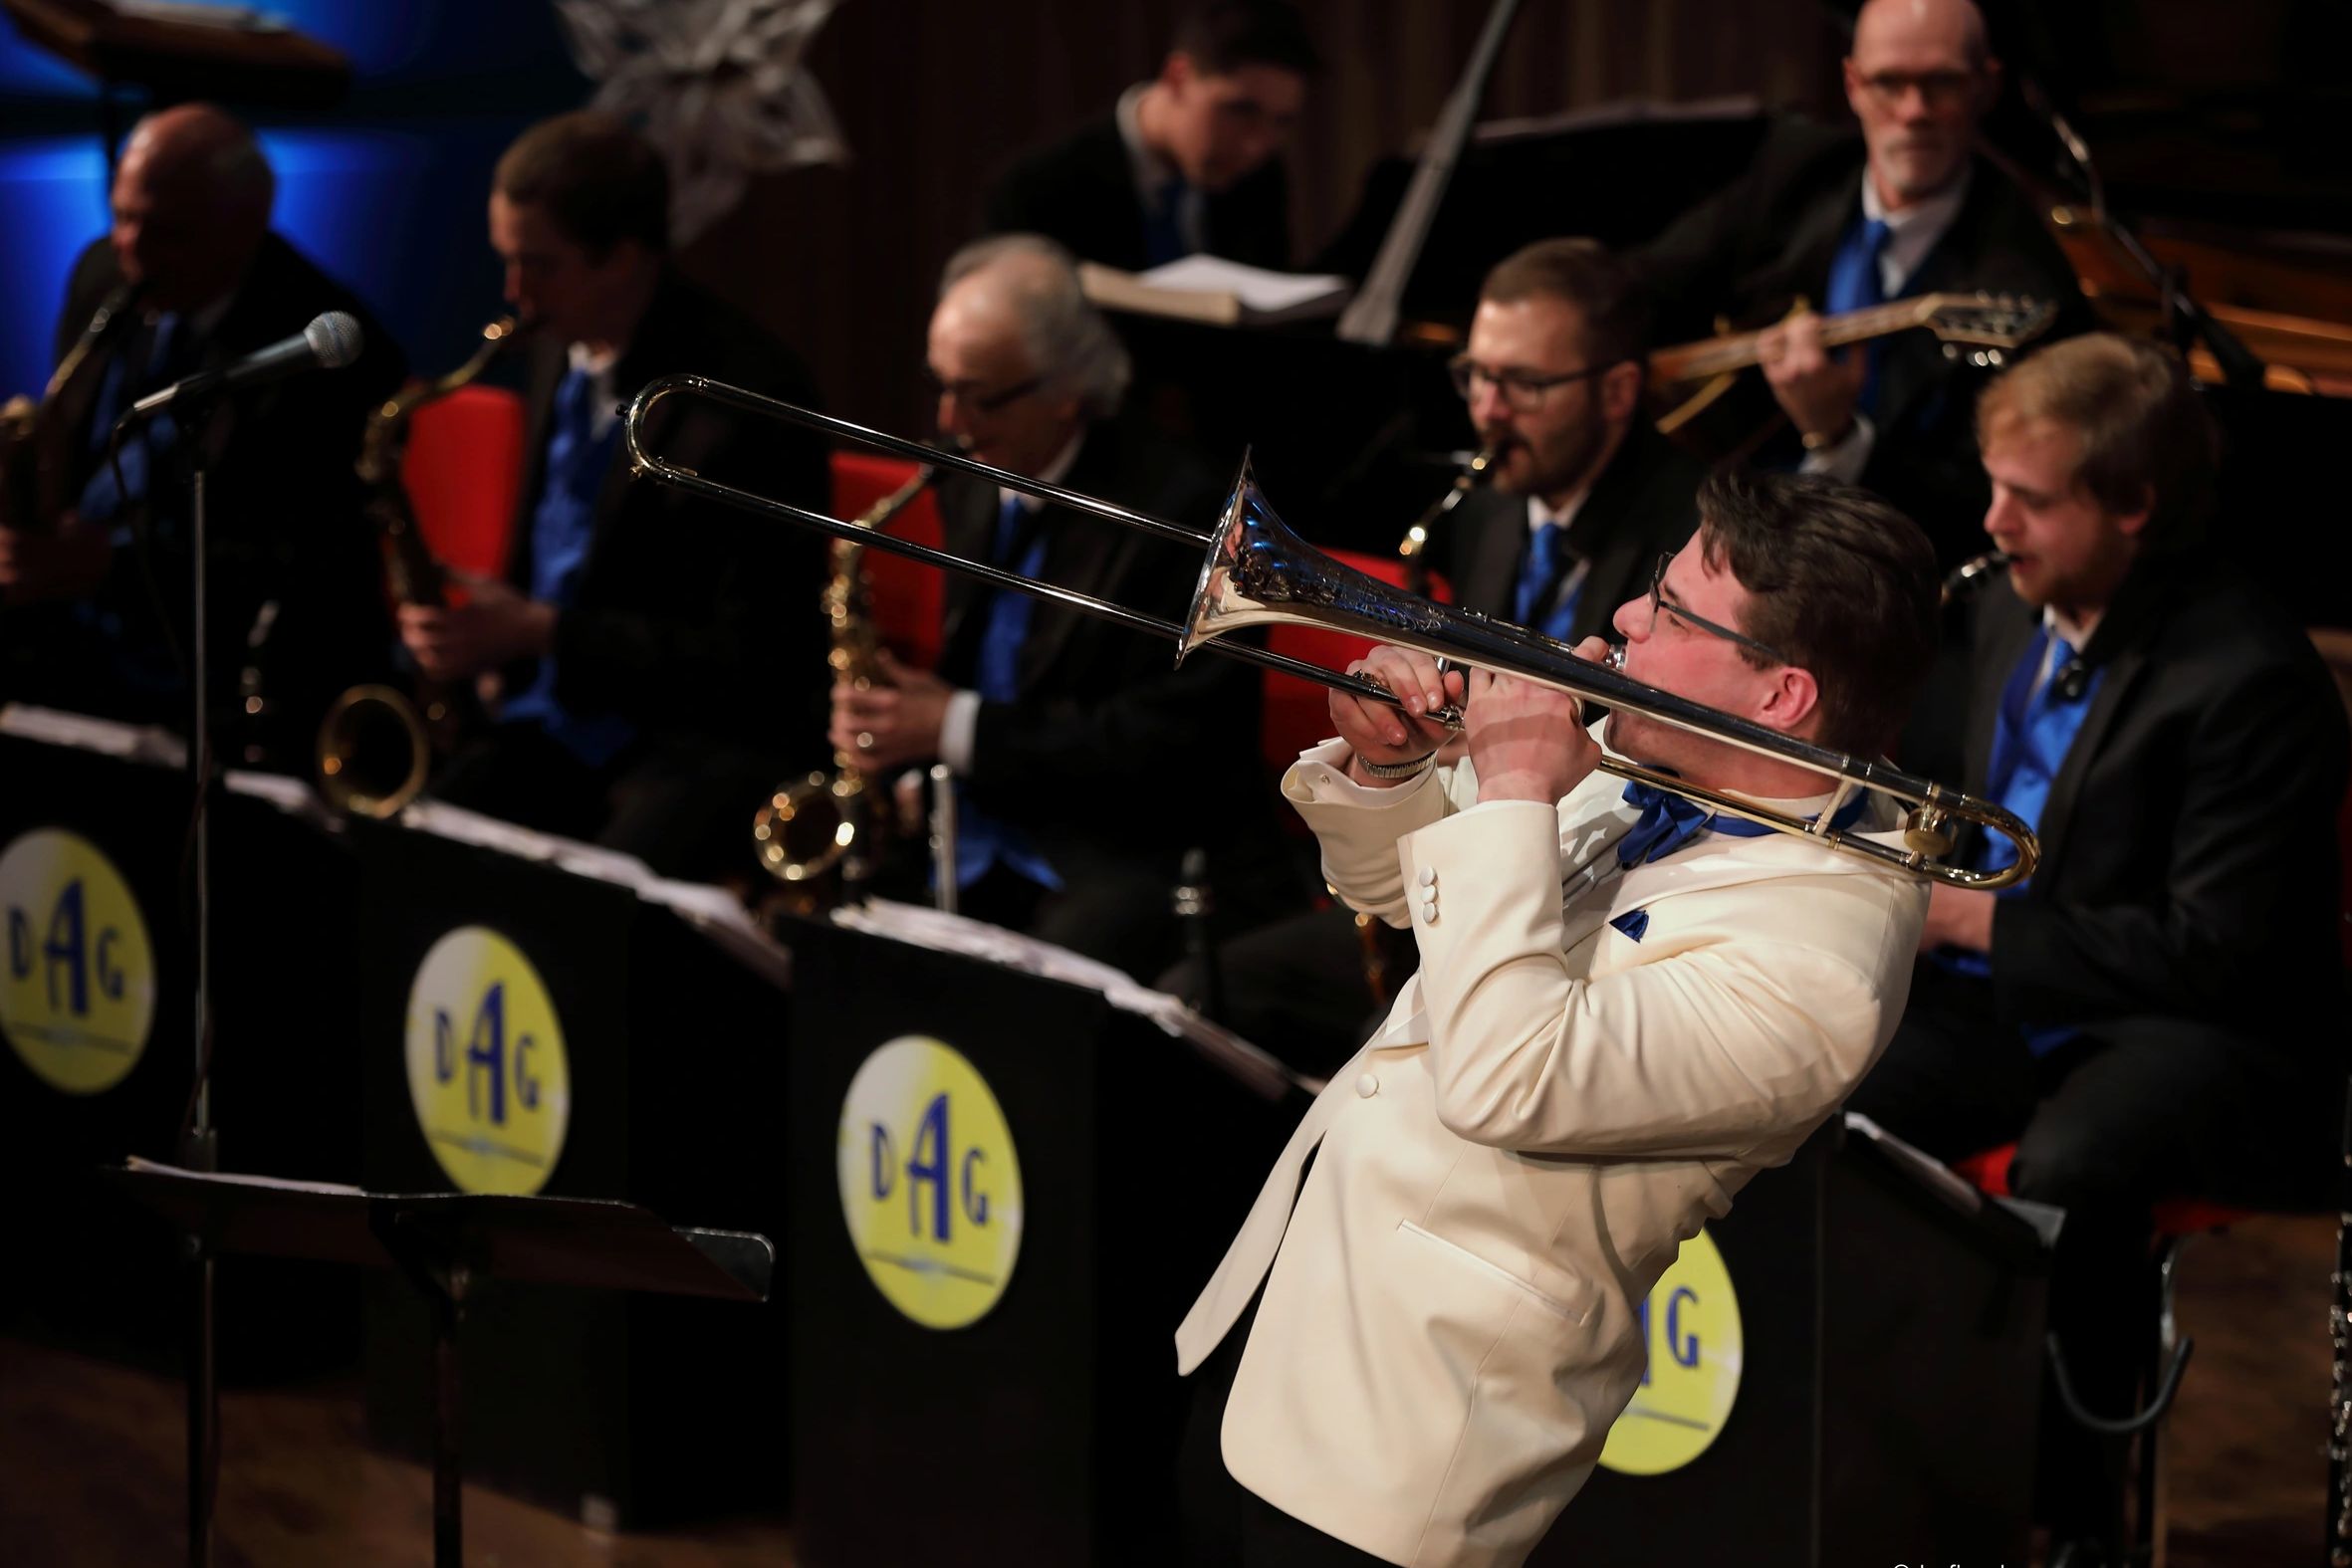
point(1633, 923)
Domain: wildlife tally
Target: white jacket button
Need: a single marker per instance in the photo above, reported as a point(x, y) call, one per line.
point(1366, 1085)
point(1429, 909)
point(1429, 876)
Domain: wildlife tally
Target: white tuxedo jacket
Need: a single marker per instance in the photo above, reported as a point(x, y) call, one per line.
point(1557, 1099)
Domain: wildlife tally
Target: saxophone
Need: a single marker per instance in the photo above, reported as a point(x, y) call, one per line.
point(376, 744)
point(810, 827)
point(31, 466)
point(1416, 540)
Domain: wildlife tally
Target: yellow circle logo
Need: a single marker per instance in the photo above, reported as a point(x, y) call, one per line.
point(931, 1184)
point(486, 1070)
point(1692, 1324)
point(78, 995)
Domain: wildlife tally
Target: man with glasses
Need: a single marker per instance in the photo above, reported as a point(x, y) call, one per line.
point(1187, 162)
point(1626, 1007)
point(1086, 763)
point(1582, 497)
point(1844, 223)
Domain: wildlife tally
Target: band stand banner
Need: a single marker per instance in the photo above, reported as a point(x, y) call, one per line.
point(97, 1003)
point(1002, 1191)
point(1881, 1323)
point(539, 1017)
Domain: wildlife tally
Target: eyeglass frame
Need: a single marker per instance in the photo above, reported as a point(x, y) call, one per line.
point(1659, 601)
point(1523, 393)
point(989, 404)
point(1936, 89)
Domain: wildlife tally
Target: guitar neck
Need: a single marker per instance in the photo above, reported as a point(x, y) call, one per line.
point(1716, 355)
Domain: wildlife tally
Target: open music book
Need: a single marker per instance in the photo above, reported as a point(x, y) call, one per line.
point(1211, 289)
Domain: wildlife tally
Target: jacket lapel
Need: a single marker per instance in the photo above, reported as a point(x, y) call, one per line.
point(1494, 539)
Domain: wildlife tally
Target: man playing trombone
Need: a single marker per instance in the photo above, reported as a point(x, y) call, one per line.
point(1626, 1007)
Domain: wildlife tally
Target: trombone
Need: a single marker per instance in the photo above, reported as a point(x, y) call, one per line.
point(1256, 571)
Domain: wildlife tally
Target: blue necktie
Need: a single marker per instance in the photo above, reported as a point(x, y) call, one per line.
point(1855, 284)
point(2032, 735)
point(150, 359)
point(1163, 224)
point(1548, 562)
point(980, 839)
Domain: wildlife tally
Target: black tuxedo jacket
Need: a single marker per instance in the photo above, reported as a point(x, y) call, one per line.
point(1110, 749)
point(2188, 845)
point(1753, 249)
point(282, 511)
point(1080, 190)
point(1642, 506)
point(690, 618)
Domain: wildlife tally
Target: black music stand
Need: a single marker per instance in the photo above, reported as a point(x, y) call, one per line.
point(447, 1245)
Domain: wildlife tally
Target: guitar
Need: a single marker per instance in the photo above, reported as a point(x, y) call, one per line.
point(1989, 326)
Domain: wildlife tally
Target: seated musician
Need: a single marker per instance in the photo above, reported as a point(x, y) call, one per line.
point(95, 583)
point(661, 657)
point(1190, 160)
point(2158, 1009)
point(1582, 501)
point(1086, 763)
point(1414, 1349)
point(1907, 208)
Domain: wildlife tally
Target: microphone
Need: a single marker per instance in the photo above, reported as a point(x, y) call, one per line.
point(331, 341)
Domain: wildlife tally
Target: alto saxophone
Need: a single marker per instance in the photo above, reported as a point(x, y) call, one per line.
point(810, 826)
point(377, 745)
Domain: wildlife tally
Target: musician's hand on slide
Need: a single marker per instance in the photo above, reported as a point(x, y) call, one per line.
point(67, 563)
point(1528, 742)
point(495, 625)
point(1816, 388)
point(1380, 733)
point(890, 726)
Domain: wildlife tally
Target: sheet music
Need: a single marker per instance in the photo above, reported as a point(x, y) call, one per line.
point(1258, 290)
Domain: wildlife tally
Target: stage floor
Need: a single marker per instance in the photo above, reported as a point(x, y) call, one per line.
point(91, 1452)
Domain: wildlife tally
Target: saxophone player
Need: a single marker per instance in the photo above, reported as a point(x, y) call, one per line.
point(95, 585)
point(638, 635)
point(1082, 760)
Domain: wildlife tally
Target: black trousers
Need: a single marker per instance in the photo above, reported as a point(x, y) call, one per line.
point(2129, 1113)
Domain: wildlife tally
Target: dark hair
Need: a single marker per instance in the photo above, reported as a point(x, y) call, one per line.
point(1841, 583)
point(2147, 440)
point(1222, 35)
point(596, 176)
point(1616, 306)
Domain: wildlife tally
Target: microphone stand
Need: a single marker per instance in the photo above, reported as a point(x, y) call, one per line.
point(199, 1147)
point(2188, 322)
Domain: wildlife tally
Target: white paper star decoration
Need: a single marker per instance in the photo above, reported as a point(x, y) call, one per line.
point(717, 84)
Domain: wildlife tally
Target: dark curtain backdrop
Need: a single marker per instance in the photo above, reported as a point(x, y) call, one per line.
point(934, 95)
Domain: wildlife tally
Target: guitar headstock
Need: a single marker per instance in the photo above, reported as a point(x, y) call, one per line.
point(1986, 321)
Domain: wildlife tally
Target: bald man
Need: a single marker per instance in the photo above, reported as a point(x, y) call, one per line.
point(96, 584)
point(1087, 763)
point(1844, 221)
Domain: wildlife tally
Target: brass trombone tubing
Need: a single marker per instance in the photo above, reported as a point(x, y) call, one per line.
point(1380, 612)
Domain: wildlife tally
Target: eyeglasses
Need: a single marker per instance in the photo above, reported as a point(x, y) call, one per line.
point(1521, 393)
point(1936, 89)
point(971, 398)
point(1659, 601)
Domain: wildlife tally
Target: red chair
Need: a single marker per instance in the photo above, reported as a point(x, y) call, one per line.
point(1297, 712)
point(905, 595)
point(463, 470)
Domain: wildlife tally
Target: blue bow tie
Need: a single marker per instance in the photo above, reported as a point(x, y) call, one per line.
point(1667, 822)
